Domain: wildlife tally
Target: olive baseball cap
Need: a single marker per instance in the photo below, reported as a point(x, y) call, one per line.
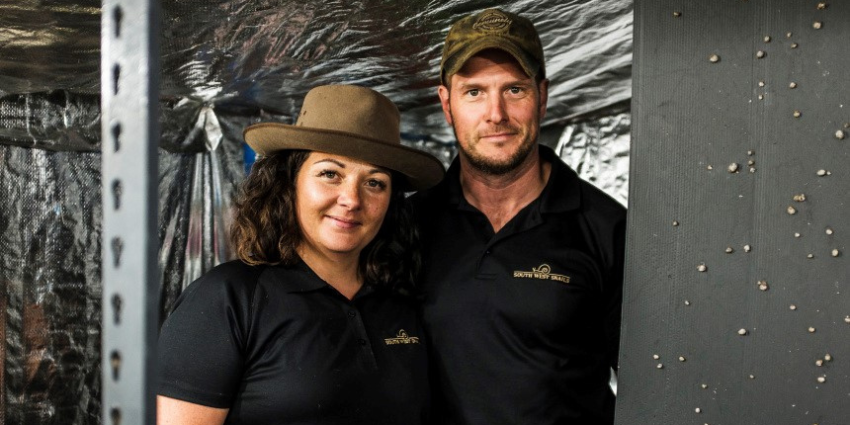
point(492, 29)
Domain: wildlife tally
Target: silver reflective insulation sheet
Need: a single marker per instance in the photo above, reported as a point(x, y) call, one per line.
point(227, 64)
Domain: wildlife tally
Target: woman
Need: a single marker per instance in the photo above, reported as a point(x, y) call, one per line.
point(311, 324)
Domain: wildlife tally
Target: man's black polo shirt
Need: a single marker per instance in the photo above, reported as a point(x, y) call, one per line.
point(278, 345)
point(524, 323)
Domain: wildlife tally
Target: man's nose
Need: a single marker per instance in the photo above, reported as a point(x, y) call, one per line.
point(496, 111)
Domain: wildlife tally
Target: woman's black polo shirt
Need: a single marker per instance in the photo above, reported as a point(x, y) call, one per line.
point(523, 323)
point(278, 345)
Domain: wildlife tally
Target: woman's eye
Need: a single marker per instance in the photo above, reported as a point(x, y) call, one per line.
point(329, 174)
point(376, 184)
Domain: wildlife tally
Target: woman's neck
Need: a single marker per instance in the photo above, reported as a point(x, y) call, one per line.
point(341, 271)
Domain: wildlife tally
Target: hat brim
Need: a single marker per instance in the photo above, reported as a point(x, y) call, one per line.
point(455, 62)
point(421, 170)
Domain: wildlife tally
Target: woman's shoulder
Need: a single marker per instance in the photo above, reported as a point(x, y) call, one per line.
point(237, 278)
point(234, 268)
point(230, 280)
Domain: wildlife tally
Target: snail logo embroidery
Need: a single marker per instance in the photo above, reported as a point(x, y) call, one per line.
point(402, 338)
point(543, 272)
point(492, 21)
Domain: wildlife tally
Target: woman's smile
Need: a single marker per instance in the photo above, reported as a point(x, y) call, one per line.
point(344, 223)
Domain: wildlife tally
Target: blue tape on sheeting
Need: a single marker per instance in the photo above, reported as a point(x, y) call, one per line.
point(249, 157)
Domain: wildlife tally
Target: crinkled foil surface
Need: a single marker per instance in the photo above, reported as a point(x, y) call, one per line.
point(226, 64)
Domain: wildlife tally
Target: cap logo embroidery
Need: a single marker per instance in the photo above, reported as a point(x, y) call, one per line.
point(544, 272)
point(492, 21)
point(402, 338)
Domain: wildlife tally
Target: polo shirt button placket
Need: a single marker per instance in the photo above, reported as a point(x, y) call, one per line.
point(352, 314)
point(484, 265)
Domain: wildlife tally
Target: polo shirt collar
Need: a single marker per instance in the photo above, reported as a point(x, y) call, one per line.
point(562, 191)
point(298, 278)
point(452, 182)
point(304, 279)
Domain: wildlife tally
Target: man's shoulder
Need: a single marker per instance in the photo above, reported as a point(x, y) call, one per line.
point(429, 198)
point(592, 202)
point(595, 199)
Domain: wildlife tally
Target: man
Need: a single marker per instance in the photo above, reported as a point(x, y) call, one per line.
point(524, 260)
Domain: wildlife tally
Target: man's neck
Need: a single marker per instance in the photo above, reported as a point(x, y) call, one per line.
point(501, 197)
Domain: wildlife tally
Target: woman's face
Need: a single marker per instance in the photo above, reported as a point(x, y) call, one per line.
point(340, 204)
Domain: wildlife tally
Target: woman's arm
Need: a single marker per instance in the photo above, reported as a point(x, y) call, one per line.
point(170, 411)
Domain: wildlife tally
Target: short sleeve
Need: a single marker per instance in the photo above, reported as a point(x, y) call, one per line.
point(201, 344)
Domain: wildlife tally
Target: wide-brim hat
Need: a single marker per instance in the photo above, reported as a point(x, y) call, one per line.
point(351, 121)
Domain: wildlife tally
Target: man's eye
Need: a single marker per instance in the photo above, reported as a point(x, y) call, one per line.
point(516, 90)
point(474, 92)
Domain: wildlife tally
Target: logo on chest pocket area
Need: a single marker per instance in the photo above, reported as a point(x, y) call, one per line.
point(542, 272)
point(402, 338)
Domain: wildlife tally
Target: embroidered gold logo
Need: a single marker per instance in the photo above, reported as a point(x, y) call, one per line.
point(543, 272)
point(492, 21)
point(402, 338)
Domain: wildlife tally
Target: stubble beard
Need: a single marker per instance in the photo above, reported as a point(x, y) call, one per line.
point(494, 167)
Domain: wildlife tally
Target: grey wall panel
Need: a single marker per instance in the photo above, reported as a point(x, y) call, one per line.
point(692, 119)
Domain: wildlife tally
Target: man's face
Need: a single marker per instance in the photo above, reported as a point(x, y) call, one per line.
point(495, 110)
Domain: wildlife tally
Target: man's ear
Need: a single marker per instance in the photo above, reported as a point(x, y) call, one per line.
point(443, 91)
point(543, 89)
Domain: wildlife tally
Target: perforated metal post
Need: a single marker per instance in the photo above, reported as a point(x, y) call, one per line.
point(129, 102)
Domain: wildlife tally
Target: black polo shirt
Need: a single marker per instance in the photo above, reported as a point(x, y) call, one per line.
point(278, 345)
point(524, 323)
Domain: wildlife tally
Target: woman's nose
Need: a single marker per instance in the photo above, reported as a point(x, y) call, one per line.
point(349, 195)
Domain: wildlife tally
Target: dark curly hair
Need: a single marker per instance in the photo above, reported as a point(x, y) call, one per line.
point(265, 229)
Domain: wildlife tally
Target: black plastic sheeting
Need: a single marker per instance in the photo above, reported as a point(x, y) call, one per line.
point(227, 64)
point(251, 55)
point(598, 149)
point(49, 240)
point(50, 227)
